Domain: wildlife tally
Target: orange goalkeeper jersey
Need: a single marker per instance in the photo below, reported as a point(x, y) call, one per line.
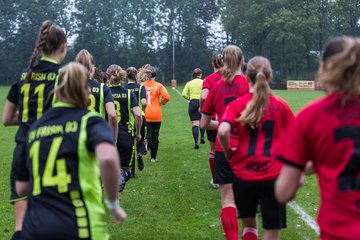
point(156, 95)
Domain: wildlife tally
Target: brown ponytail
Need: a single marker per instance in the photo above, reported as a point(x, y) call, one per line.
point(232, 60)
point(146, 72)
point(341, 66)
point(131, 73)
point(218, 61)
point(49, 40)
point(116, 74)
point(259, 73)
point(85, 58)
point(73, 85)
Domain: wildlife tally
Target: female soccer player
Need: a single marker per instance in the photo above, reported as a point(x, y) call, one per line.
point(140, 93)
point(191, 92)
point(260, 119)
point(156, 96)
point(67, 203)
point(127, 108)
point(327, 132)
point(101, 100)
point(230, 87)
point(28, 99)
point(209, 82)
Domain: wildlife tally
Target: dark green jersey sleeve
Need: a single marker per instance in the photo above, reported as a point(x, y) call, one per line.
point(133, 100)
point(13, 95)
point(98, 130)
point(107, 95)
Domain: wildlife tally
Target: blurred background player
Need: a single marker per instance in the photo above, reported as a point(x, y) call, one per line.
point(68, 203)
point(192, 92)
point(208, 83)
point(156, 96)
point(29, 98)
point(140, 93)
point(261, 120)
point(100, 97)
point(129, 117)
point(327, 131)
point(232, 85)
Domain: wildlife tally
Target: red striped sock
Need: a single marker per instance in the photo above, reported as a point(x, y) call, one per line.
point(211, 162)
point(230, 223)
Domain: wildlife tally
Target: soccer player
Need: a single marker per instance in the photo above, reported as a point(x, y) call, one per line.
point(209, 82)
point(129, 117)
point(29, 98)
point(327, 131)
point(260, 119)
point(232, 85)
point(191, 92)
point(67, 203)
point(156, 96)
point(140, 93)
point(100, 97)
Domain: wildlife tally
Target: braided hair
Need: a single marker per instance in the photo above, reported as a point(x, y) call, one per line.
point(50, 38)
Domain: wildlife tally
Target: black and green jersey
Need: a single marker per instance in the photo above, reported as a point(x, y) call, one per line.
point(139, 91)
point(100, 95)
point(36, 96)
point(66, 200)
point(124, 100)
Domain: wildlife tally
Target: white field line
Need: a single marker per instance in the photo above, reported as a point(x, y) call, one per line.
point(180, 94)
point(305, 217)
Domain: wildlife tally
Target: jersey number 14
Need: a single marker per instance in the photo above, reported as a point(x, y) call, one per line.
point(48, 178)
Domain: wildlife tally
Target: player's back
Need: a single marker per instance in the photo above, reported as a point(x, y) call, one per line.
point(156, 95)
point(254, 159)
point(124, 101)
point(331, 138)
point(65, 203)
point(35, 96)
point(211, 80)
point(100, 94)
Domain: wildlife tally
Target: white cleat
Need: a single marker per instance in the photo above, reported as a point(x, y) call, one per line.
point(214, 185)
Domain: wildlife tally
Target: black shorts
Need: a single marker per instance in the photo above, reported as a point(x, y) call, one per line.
point(249, 194)
point(211, 135)
point(126, 148)
point(194, 110)
point(222, 170)
point(19, 170)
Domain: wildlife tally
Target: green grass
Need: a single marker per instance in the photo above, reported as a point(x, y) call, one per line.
point(170, 199)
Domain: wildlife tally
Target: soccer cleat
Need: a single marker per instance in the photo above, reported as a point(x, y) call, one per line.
point(140, 163)
point(202, 141)
point(146, 148)
point(214, 185)
point(153, 160)
point(196, 146)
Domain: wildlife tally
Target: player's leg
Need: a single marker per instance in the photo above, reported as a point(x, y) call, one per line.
point(140, 148)
point(211, 136)
point(224, 177)
point(246, 202)
point(20, 203)
point(127, 151)
point(194, 115)
point(273, 213)
point(155, 140)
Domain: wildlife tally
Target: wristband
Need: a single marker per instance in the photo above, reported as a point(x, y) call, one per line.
point(111, 205)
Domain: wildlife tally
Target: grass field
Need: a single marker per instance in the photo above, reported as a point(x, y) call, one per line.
point(171, 199)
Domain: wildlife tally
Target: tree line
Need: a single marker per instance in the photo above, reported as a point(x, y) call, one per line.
point(291, 33)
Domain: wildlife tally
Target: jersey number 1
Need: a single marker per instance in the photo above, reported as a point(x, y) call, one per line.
point(48, 179)
point(349, 179)
point(39, 90)
point(268, 128)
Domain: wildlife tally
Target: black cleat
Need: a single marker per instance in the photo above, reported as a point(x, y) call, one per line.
point(196, 146)
point(202, 141)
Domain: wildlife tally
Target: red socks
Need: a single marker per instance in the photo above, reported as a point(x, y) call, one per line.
point(250, 234)
point(230, 223)
point(211, 162)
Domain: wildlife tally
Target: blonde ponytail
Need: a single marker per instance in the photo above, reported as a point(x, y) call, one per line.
point(232, 60)
point(259, 74)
